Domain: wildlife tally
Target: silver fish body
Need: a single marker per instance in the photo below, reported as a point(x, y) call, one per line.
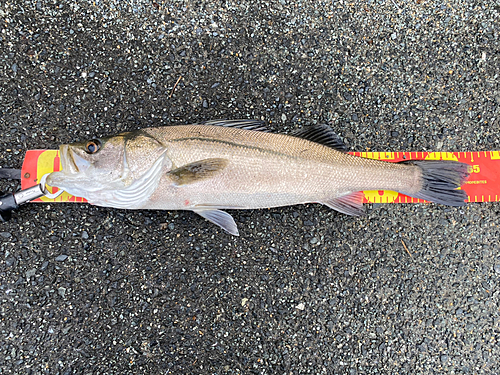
point(230, 165)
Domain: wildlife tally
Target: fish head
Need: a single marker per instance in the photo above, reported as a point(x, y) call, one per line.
point(91, 165)
point(106, 164)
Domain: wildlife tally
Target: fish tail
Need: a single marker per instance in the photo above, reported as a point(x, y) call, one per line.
point(440, 181)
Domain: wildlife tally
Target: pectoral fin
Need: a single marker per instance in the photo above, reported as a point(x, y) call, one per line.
point(350, 204)
point(198, 170)
point(220, 218)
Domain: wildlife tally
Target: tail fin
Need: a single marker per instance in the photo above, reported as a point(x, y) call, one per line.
point(440, 180)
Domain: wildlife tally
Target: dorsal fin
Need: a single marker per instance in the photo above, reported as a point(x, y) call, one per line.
point(255, 125)
point(322, 134)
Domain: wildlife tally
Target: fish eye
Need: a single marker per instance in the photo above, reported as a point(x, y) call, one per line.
point(93, 146)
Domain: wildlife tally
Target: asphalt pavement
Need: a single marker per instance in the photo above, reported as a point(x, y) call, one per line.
point(407, 289)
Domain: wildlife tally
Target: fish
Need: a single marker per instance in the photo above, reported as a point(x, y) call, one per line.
point(239, 164)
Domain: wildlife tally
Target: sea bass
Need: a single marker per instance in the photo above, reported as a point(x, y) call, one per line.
point(240, 165)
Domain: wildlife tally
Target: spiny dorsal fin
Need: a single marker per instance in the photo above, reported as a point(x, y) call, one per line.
point(198, 170)
point(322, 134)
point(255, 125)
point(350, 204)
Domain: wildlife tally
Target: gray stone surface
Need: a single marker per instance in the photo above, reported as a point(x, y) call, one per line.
point(304, 290)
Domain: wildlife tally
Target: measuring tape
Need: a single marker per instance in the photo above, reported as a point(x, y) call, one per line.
point(483, 184)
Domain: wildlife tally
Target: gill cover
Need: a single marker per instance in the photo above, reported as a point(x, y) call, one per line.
point(136, 194)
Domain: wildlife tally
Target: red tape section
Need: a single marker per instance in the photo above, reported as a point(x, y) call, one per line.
point(483, 184)
point(36, 164)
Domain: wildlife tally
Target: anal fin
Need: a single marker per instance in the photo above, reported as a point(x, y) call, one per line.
point(350, 204)
point(220, 218)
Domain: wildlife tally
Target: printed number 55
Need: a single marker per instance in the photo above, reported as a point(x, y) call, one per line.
point(474, 169)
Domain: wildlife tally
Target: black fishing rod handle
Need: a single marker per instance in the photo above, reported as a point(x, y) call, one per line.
point(7, 205)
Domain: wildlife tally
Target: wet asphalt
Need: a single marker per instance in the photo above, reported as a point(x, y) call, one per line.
point(407, 289)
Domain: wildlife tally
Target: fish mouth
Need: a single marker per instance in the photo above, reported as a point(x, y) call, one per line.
point(71, 162)
point(68, 165)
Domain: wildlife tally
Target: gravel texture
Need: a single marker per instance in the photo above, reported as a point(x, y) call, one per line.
point(304, 290)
